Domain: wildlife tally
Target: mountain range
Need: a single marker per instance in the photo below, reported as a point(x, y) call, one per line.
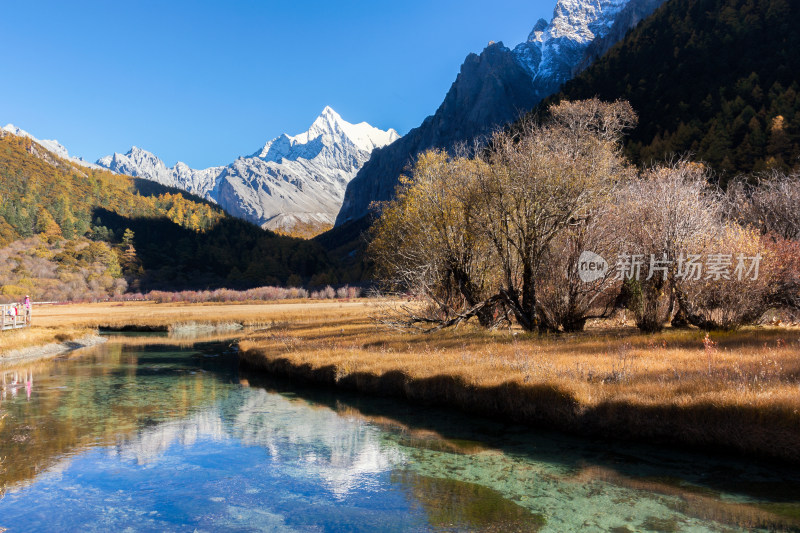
point(291, 181)
point(335, 170)
point(69, 230)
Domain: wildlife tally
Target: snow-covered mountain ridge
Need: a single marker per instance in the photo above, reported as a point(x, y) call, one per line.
point(290, 180)
point(51, 145)
point(554, 48)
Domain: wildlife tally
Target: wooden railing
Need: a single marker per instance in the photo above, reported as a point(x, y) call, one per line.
point(10, 321)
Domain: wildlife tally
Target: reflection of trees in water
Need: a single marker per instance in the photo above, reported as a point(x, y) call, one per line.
point(561, 478)
point(139, 408)
point(454, 504)
point(458, 483)
point(94, 401)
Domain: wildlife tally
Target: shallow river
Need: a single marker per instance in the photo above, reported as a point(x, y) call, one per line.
point(155, 438)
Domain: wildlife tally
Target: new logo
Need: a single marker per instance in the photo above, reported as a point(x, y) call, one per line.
point(591, 266)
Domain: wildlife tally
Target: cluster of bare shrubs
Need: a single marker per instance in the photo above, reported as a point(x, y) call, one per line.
point(258, 294)
point(62, 270)
point(501, 234)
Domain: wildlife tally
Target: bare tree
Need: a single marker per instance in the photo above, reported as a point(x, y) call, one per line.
point(665, 217)
point(425, 243)
point(772, 205)
point(541, 181)
point(739, 292)
point(500, 235)
point(564, 297)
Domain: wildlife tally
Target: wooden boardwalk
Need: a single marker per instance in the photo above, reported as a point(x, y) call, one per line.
point(12, 322)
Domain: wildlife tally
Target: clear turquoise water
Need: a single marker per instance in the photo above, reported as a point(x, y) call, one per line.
point(160, 438)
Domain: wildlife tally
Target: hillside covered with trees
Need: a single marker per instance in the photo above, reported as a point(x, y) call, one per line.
point(70, 232)
point(719, 79)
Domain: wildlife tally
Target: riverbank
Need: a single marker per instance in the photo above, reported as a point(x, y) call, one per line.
point(738, 392)
point(49, 350)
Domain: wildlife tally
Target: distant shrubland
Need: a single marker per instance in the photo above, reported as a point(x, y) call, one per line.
point(64, 270)
point(258, 294)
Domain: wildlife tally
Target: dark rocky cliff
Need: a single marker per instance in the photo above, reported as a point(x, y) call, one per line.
point(491, 90)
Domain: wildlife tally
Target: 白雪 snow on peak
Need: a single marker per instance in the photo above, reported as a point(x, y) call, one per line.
point(331, 129)
point(291, 178)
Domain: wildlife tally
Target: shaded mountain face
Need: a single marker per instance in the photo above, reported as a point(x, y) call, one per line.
point(493, 89)
point(628, 17)
point(291, 180)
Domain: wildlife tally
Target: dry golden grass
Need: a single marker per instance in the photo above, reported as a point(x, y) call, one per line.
point(38, 336)
point(119, 314)
point(59, 323)
point(742, 392)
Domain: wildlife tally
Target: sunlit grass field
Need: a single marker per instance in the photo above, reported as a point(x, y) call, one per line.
point(59, 323)
point(738, 389)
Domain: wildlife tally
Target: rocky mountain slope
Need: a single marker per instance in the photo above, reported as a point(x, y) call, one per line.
point(554, 49)
point(496, 88)
point(290, 181)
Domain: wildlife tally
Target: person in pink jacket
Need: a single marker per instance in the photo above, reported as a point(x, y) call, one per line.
point(27, 305)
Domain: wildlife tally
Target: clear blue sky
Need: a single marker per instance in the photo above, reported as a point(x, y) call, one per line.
point(205, 82)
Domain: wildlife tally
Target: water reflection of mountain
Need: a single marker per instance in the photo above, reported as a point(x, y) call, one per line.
point(137, 403)
point(462, 470)
point(310, 440)
point(455, 481)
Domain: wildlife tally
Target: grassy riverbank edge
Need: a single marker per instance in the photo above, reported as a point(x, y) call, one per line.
point(748, 430)
point(48, 350)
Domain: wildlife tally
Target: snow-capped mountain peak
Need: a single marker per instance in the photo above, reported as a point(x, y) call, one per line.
point(291, 179)
point(554, 48)
point(538, 29)
point(329, 129)
point(141, 163)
